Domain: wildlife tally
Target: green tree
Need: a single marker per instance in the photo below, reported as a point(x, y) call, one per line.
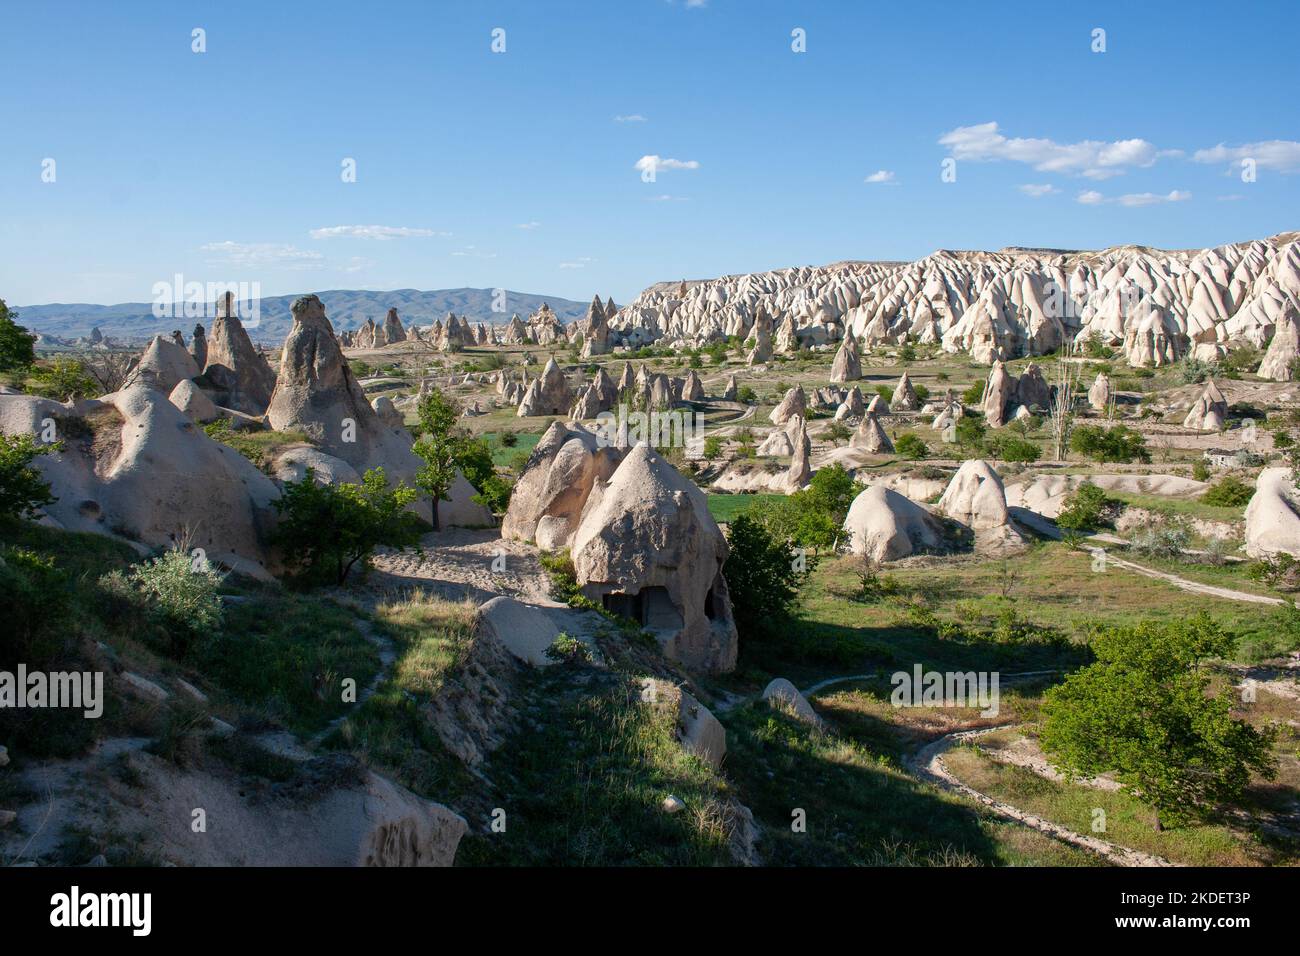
point(23, 491)
point(1010, 448)
point(763, 578)
point(1229, 491)
point(1118, 444)
point(17, 345)
point(1084, 509)
point(911, 447)
point(1144, 711)
point(63, 379)
point(971, 432)
point(325, 530)
point(446, 447)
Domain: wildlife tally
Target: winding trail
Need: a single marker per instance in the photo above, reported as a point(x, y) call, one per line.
point(927, 764)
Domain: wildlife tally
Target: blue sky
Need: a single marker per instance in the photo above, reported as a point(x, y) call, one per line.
point(515, 170)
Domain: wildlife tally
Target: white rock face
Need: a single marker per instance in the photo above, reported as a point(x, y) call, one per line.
point(1099, 394)
point(905, 398)
point(782, 693)
point(190, 399)
point(698, 731)
point(1284, 349)
point(164, 365)
point(975, 498)
point(1209, 411)
point(870, 437)
point(153, 475)
point(1273, 515)
point(548, 499)
point(847, 366)
point(1153, 305)
point(885, 526)
point(648, 547)
point(794, 403)
point(317, 394)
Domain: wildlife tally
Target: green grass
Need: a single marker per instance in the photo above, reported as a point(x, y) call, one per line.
point(859, 807)
point(583, 780)
point(285, 656)
point(259, 447)
point(391, 731)
point(502, 455)
point(1179, 506)
point(725, 507)
point(1128, 822)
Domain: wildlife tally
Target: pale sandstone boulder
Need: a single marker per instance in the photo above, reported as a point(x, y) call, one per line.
point(997, 393)
point(190, 399)
point(152, 475)
point(1273, 515)
point(1100, 393)
point(693, 389)
point(878, 406)
point(698, 731)
point(794, 403)
point(800, 466)
point(548, 499)
point(885, 526)
point(777, 444)
point(238, 375)
point(317, 394)
point(458, 509)
point(851, 407)
point(731, 391)
point(647, 547)
point(292, 464)
point(782, 694)
point(976, 498)
point(1284, 349)
point(549, 394)
point(393, 328)
point(847, 366)
point(163, 365)
point(871, 437)
point(1032, 390)
point(905, 398)
point(1209, 411)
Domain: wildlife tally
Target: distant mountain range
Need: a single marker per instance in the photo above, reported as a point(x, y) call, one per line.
point(346, 308)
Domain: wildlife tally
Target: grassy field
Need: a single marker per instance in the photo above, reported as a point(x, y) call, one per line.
point(724, 508)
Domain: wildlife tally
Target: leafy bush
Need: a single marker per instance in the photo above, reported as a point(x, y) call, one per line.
point(63, 379)
point(1165, 537)
point(1117, 444)
point(1012, 449)
point(1228, 492)
point(886, 392)
point(911, 447)
point(1085, 509)
point(568, 649)
point(17, 345)
point(23, 491)
point(838, 432)
point(974, 394)
point(763, 578)
point(1144, 711)
point(713, 447)
point(447, 447)
point(747, 395)
point(326, 530)
point(179, 592)
point(1200, 470)
point(1192, 371)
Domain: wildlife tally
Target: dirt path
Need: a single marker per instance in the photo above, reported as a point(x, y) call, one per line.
point(927, 764)
point(463, 563)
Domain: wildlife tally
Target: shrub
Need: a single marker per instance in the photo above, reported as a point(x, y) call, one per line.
point(509, 439)
point(911, 447)
point(178, 592)
point(713, 447)
point(886, 392)
point(1165, 537)
point(1144, 711)
point(326, 530)
point(23, 491)
point(974, 394)
point(747, 395)
point(1117, 444)
point(762, 577)
point(17, 345)
point(1200, 470)
point(1228, 492)
point(63, 379)
point(838, 432)
point(1084, 509)
point(1012, 449)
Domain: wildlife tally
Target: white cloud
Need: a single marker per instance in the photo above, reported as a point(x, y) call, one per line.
point(578, 263)
point(1093, 159)
point(1038, 190)
point(666, 197)
point(656, 163)
point(630, 118)
point(1282, 155)
point(883, 177)
point(528, 225)
point(373, 232)
point(1094, 198)
point(474, 252)
point(264, 255)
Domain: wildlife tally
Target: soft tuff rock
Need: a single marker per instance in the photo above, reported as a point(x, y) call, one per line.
point(885, 526)
point(1273, 515)
point(647, 547)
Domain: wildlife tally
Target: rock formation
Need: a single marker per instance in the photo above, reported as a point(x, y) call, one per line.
point(870, 437)
point(800, 467)
point(648, 548)
point(317, 394)
point(794, 403)
point(1284, 349)
point(1209, 411)
point(1273, 515)
point(847, 366)
point(976, 498)
point(394, 331)
point(163, 365)
point(199, 347)
point(998, 389)
point(549, 497)
point(547, 395)
point(693, 389)
point(1100, 392)
point(730, 392)
point(904, 398)
point(237, 374)
point(885, 526)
